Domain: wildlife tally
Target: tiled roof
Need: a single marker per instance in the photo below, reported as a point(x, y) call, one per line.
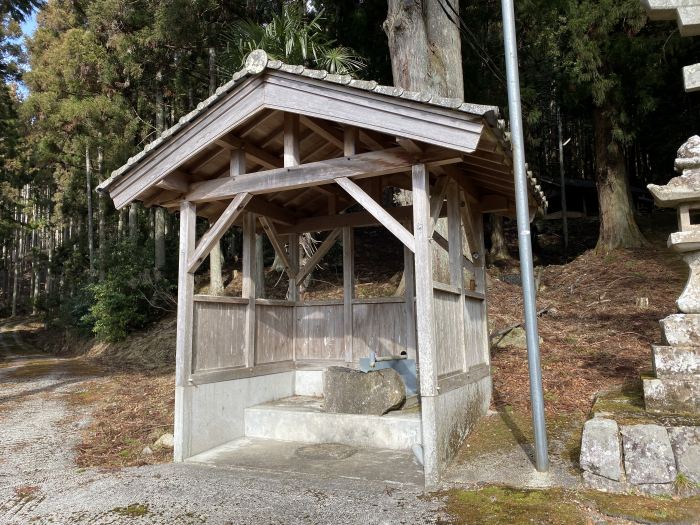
point(258, 61)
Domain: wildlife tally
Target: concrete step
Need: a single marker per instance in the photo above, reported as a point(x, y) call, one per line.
point(671, 361)
point(301, 419)
point(672, 395)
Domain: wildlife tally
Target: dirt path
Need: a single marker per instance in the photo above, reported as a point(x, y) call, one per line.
point(40, 483)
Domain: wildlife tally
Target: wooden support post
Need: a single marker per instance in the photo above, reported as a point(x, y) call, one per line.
point(183, 344)
point(291, 140)
point(249, 289)
point(456, 259)
point(348, 289)
point(425, 321)
point(293, 290)
point(424, 281)
point(410, 305)
point(292, 158)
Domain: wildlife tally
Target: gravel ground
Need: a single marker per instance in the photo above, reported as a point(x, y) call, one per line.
point(40, 483)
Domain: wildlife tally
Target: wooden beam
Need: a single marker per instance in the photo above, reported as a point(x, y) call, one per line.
point(372, 164)
point(323, 129)
point(217, 230)
point(322, 250)
point(262, 206)
point(252, 151)
point(159, 198)
point(357, 219)
point(348, 290)
point(370, 140)
point(437, 199)
point(379, 213)
point(409, 145)
point(177, 181)
point(275, 241)
point(495, 204)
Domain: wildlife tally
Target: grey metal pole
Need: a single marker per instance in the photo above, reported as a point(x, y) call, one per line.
point(525, 246)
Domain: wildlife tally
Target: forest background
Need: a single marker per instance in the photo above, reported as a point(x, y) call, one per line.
point(97, 80)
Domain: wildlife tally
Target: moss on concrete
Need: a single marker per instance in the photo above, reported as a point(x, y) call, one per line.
point(496, 505)
point(135, 510)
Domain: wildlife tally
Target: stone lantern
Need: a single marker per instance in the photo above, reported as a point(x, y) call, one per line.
point(676, 385)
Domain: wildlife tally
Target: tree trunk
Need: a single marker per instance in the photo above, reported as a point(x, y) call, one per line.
point(134, 222)
point(499, 249)
point(159, 219)
point(618, 228)
point(426, 55)
point(90, 238)
point(425, 47)
point(216, 282)
point(159, 240)
point(101, 220)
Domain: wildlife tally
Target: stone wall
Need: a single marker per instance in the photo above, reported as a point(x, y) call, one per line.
point(644, 458)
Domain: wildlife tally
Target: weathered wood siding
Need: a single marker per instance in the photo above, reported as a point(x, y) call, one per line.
point(449, 332)
point(319, 332)
point(274, 337)
point(218, 335)
point(379, 327)
point(477, 346)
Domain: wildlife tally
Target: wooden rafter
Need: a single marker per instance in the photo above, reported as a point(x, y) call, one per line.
point(324, 130)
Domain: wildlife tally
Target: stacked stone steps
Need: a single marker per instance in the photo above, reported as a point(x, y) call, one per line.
point(675, 385)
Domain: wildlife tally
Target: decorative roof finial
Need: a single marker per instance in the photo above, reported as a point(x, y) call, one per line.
point(256, 62)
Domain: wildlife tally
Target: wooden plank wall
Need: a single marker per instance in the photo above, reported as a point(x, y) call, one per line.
point(274, 333)
point(287, 332)
point(319, 332)
point(218, 335)
point(379, 327)
point(476, 331)
point(449, 332)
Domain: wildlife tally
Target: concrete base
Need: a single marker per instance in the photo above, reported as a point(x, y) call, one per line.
point(300, 419)
point(388, 466)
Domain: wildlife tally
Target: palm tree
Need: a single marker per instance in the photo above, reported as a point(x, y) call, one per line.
point(290, 37)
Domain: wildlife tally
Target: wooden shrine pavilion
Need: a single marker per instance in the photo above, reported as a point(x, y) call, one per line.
point(288, 150)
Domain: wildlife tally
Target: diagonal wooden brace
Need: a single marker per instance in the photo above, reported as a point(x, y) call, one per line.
point(217, 230)
point(379, 213)
point(318, 255)
point(276, 242)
